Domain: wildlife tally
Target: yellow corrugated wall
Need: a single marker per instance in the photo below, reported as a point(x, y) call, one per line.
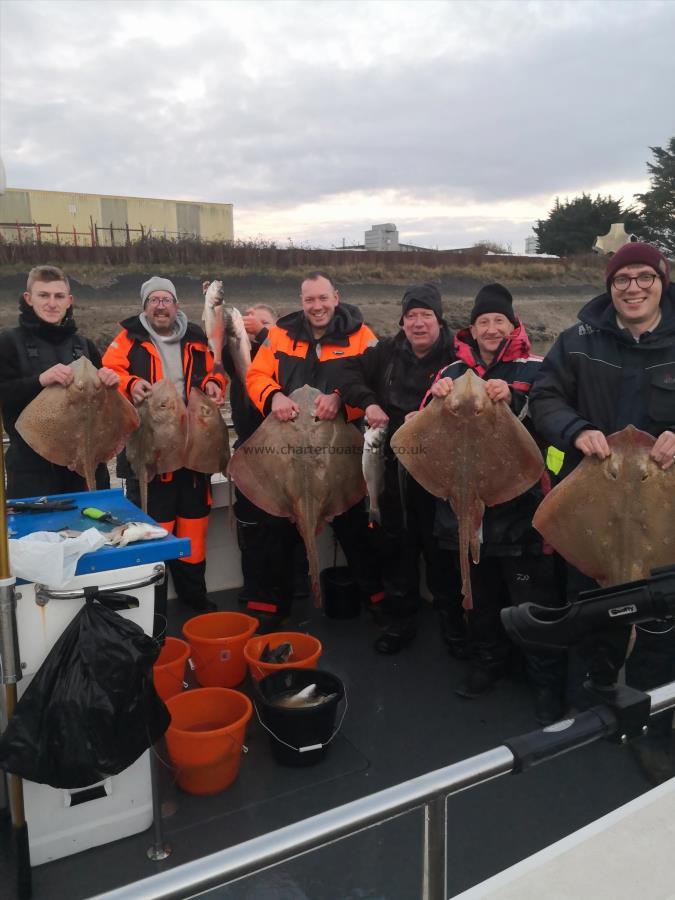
point(212, 221)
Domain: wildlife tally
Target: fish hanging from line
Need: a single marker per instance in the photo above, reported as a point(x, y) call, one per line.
point(159, 444)
point(471, 452)
point(214, 319)
point(208, 442)
point(238, 342)
point(307, 470)
point(81, 425)
point(613, 519)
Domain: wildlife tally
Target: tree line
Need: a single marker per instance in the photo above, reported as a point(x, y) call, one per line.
point(573, 225)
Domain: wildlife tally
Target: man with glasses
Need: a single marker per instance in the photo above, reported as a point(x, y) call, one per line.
point(616, 367)
point(161, 343)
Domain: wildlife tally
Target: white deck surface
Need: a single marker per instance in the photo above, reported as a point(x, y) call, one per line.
point(626, 855)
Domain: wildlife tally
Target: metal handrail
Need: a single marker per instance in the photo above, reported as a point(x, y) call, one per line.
point(44, 594)
point(430, 790)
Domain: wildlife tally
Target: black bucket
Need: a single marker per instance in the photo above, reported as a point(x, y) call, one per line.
point(299, 737)
point(340, 593)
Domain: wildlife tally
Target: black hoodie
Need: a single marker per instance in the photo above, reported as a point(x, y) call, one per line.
point(25, 352)
point(598, 376)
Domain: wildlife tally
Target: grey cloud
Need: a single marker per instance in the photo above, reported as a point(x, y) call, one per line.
point(541, 111)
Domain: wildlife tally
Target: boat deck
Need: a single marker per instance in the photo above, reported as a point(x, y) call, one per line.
point(403, 720)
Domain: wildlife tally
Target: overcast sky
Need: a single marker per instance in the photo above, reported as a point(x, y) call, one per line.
point(457, 121)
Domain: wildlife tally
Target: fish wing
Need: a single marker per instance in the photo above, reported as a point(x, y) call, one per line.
point(471, 452)
point(613, 519)
point(81, 425)
point(307, 470)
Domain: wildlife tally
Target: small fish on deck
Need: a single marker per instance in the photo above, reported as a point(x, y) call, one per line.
point(307, 697)
point(280, 654)
point(135, 531)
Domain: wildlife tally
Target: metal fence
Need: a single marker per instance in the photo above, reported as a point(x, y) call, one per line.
point(35, 242)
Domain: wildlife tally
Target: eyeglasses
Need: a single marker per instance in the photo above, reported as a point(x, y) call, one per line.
point(643, 280)
point(161, 301)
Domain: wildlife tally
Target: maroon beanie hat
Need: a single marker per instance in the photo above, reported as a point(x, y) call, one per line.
point(638, 254)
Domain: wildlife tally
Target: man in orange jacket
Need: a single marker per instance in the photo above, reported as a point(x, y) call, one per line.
point(161, 343)
point(309, 347)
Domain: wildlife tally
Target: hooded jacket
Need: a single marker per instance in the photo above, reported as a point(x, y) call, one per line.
point(25, 352)
point(597, 376)
point(507, 527)
point(133, 355)
point(291, 356)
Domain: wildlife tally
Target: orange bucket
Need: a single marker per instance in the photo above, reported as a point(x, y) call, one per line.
point(217, 642)
point(306, 651)
point(205, 737)
point(168, 672)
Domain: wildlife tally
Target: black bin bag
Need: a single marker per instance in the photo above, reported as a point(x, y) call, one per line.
point(91, 709)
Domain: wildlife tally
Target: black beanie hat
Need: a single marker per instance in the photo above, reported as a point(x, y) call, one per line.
point(424, 295)
point(493, 298)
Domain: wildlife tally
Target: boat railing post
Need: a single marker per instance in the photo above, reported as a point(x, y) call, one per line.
point(159, 849)
point(435, 863)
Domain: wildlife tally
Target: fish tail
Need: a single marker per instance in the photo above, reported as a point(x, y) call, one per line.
point(465, 564)
point(374, 515)
point(90, 475)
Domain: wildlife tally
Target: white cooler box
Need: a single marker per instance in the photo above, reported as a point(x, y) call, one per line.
point(61, 822)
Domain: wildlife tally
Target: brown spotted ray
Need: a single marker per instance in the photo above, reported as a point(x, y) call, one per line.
point(613, 519)
point(208, 443)
point(307, 470)
point(159, 444)
point(78, 426)
point(471, 452)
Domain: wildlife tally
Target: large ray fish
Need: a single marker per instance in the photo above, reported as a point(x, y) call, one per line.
point(613, 519)
point(208, 444)
point(159, 444)
point(308, 470)
point(471, 452)
point(79, 426)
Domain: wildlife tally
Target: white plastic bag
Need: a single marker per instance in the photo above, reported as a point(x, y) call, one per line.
point(50, 558)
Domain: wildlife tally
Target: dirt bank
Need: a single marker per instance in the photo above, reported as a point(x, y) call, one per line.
point(544, 308)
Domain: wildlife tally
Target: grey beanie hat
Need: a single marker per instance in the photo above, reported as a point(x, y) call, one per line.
point(156, 284)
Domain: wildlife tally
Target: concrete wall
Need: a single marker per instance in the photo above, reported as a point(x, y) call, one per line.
point(49, 209)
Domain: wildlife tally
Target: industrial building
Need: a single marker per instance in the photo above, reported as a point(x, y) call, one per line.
point(382, 237)
point(106, 219)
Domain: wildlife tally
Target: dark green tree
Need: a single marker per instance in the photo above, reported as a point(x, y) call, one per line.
point(657, 217)
point(573, 226)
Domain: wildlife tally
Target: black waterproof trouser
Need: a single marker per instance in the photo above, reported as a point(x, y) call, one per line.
point(283, 565)
point(405, 535)
point(500, 581)
point(180, 502)
point(49, 478)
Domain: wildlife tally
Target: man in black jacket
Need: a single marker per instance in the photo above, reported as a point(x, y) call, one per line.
point(35, 354)
point(389, 381)
point(615, 367)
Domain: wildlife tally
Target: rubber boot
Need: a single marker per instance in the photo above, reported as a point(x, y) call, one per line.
point(485, 668)
point(453, 631)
